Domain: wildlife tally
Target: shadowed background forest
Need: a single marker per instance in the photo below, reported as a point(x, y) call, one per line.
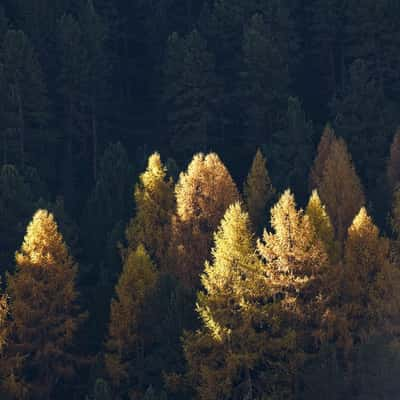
point(112, 114)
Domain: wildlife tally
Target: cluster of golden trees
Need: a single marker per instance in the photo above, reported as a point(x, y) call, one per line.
point(323, 275)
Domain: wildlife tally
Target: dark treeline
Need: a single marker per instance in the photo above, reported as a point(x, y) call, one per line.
point(89, 90)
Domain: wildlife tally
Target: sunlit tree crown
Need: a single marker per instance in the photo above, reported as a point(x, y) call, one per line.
point(203, 194)
point(321, 222)
point(232, 255)
point(154, 198)
point(206, 190)
point(291, 245)
point(43, 244)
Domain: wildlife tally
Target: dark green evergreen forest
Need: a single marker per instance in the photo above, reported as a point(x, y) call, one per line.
point(199, 199)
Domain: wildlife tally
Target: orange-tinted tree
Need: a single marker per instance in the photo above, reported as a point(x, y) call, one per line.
point(340, 188)
point(297, 264)
point(155, 202)
point(44, 314)
point(203, 194)
point(324, 146)
point(124, 345)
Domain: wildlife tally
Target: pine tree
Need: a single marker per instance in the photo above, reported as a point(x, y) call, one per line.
point(292, 149)
point(108, 204)
point(258, 191)
point(155, 203)
point(365, 119)
point(393, 165)
point(203, 194)
point(16, 207)
point(94, 36)
point(44, 313)
point(190, 92)
point(126, 342)
point(72, 84)
point(323, 151)
point(231, 355)
point(321, 222)
point(25, 101)
point(340, 188)
point(265, 76)
point(369, 295)
point(296, 263)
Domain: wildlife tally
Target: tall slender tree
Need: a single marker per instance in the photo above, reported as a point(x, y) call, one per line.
point(192, 95)
point(321, 222)
point(25, 101)
point(324, 147)
point(258, 191)
point(393, 165)
point(44, 313)
point(155, 205)
point(340, 188)
point(126, 343)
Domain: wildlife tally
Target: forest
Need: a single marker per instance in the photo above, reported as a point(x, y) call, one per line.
point(199, 199)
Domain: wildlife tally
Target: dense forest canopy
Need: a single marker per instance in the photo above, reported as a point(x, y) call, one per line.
point(199, 199)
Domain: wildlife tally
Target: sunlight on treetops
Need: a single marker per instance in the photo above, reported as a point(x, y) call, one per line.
point(43, 244)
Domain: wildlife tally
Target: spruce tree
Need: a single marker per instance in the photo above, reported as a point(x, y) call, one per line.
point(265, 77)
point(258, 191)
point(292, 149)
point(25, 101)
point(233, 354)
point(155, 203)
point(44, 313)
point(340, 188)
point(191, 90)
point(365, 124)
point(72, 85)
point(393, 165)
point(126, 343)
point(94, 36)
point(108, 204)
point(203, 194)
point(16, 207)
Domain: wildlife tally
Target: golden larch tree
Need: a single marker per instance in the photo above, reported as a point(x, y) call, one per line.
point(258, 191)
point(321, 222)
point(324, 146)
point(296, 263)
point(44, 313)
point(231, 355)
point(203, 194)
point(124, 343)
point(155, 203)
point(393, 166)
point(340, 188)
point(370, 299)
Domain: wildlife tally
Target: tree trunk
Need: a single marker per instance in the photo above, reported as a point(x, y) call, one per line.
point(94, 140)
point(21, 126)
